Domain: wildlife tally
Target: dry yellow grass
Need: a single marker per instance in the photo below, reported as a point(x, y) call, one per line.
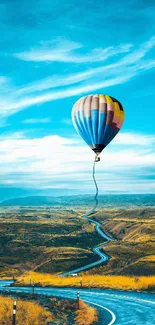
point(150, 258)
point(32, 239)
point(86, 315)
point(28, 313)
point(96, 281)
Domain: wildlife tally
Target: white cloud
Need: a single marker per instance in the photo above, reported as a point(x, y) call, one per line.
point(91, 80)
point(10, 107)
point(12, 136)
point(37, 120)
point(128, 138)
point(62, 51)
point(65, 51)
point(56, 162)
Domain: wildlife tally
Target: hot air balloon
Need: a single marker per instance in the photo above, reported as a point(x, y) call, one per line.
point(97, 118)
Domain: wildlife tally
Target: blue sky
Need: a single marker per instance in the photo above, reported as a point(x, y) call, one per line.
point(52, 53)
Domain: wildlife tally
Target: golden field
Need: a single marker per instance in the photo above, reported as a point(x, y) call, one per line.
point(90, 281)
point(28, 313)
point(86, 315)
point(132, 250)
point(46, 240)
point(60, 311)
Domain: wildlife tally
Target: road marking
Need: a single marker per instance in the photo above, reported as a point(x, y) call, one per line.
point(109, 311)
point(103, 257)
point(115, 296)
point(121, 297)
point(84, 292)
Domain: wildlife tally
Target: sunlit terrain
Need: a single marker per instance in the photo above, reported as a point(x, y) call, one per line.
point(39, 243)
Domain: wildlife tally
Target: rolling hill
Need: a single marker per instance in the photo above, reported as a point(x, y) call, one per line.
point(83, 200)
point(51, 240)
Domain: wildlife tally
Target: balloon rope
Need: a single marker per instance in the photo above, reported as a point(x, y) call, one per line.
point(96, 186)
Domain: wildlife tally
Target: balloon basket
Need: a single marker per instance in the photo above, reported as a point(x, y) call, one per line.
point(97, 158)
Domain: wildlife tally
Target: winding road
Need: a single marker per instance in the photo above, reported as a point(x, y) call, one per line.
point(97, 250)
point(114, 307)
point(131, 308)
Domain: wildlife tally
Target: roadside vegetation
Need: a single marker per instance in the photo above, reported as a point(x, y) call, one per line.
point(132, 249)
point(86, 315)
point(143, 283)
point(28, 313)
point(45, 241)
point(42, 310)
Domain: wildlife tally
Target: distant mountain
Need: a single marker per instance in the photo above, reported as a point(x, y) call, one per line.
point(11, 192)
point(83, 200)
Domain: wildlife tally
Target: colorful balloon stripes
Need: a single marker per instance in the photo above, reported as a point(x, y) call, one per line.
point(97, 118)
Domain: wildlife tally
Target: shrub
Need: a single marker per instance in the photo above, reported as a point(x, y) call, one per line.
point(86, 315)
point(28, 313)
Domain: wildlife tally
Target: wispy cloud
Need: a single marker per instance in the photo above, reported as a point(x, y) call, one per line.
point(121, 70)
point(65, 51)
point(134, 139)
point(37, 120)
point(30, 162)
point(9, 107)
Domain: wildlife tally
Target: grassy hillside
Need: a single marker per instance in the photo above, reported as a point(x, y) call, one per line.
point(44, 240)
point(28, 313)
point(47, 240)
point(119, 282)
point(78, 201)
point(132, 250)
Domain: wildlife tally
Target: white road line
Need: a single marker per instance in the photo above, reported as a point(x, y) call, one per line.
point(115, 296)
point(122, 297)
point(111, 312)
point(103, 257)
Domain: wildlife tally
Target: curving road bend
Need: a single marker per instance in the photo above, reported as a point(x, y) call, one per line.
point(97, 250)
point(114, 307)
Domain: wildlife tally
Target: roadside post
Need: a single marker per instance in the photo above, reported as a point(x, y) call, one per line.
point(14, 313)
point(33, 289)
point(78, 300)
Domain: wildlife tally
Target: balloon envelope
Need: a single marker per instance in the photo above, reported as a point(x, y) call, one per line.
point(97, 118)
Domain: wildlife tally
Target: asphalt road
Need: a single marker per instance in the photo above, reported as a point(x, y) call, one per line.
point(114, 307)
point(102, 257)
